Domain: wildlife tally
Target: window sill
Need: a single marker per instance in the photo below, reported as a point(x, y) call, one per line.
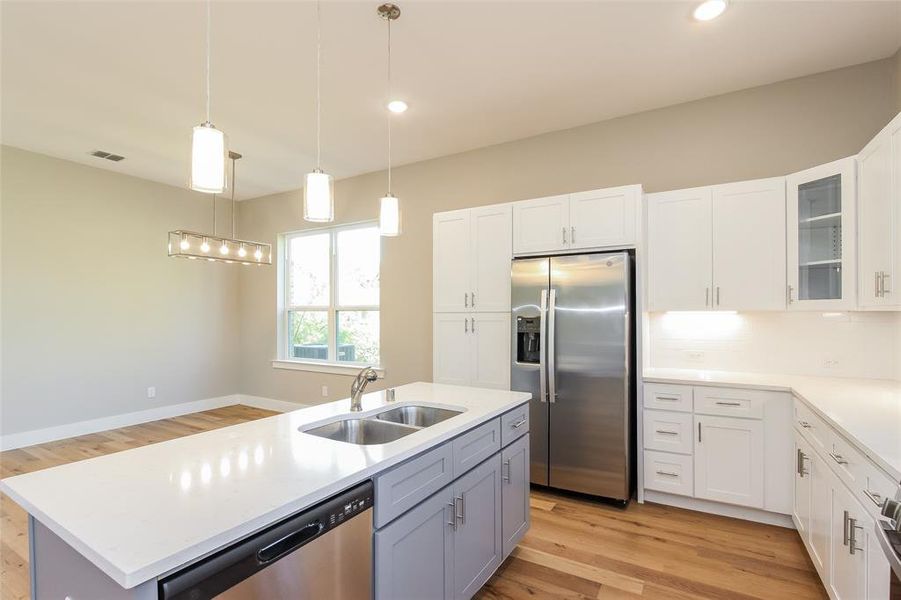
point(324, 367)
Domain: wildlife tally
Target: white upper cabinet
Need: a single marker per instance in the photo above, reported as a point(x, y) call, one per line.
point(821, 233)
point(879, 218)
point(749, 245)
point(471, 259)
point(541, 225)
point(471, 349)
point(679, 250)
point(605, 218)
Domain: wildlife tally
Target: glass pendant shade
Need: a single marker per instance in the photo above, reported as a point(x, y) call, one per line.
point(208, 159)
point(319, 197)
point(389, 216)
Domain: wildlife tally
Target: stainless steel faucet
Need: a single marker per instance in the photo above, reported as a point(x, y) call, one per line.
point(363, 378)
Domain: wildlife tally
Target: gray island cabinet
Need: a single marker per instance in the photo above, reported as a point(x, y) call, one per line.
point(466, 506)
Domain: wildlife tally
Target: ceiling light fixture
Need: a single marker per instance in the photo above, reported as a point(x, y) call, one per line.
point(397, 106)
point(709, 10)
point(194, 245)
point(319, 187)
point(208, 143)
point(389, 205)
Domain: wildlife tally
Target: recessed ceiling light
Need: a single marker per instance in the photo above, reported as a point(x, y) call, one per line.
point(397, 106)
point(709, 10)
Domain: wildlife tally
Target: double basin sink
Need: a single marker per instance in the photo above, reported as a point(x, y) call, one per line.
point(386, 426)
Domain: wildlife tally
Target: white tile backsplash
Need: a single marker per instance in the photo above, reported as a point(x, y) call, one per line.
point(850, 344)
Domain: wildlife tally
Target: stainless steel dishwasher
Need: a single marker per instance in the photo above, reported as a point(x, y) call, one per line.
point(322, 552)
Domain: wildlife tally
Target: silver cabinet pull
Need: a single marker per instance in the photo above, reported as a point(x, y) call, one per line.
point(466, 300)
point(728, 403)
point(506, 477)
point(790, 298)
point(463, 508)
point(665, 432)
point(459, 515)
point(519, 423)
point(801, 458)
point(473, 326)
point(572, 235)
point(852, 535)
point(667, 473)
point(453, 507)
point(706, 296)
point(876, 284)
point(884, 289)
point(473, 296)
point(804, 424)
point(717, 295)
point(699, 432)
point(845, 529)
point(667, 398)
point(875, 497)
point(465, 325)
point(564, 236)
point(838, 458)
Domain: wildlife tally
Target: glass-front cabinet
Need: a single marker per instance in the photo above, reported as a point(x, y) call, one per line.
point(822, 237)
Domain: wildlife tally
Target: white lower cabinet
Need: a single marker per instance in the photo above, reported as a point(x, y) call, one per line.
point(849, 531)
point(472, 349)
point(729, 460)
point(820, 513)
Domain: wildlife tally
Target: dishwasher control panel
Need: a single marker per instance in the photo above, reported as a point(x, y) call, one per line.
point(350, 507)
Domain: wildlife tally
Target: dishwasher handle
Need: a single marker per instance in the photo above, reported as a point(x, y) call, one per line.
point(290, 542)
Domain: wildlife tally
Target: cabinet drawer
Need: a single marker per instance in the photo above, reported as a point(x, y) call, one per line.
point(813, 427)
point(409, 483)
point(667, 397)
point(668, 431)
point(472, 448)
point(848, 462)
point(514, 424)
point(666, 472)
point(730, 402)
point(877, 486)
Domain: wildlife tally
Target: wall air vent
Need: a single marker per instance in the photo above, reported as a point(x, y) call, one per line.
point(107, 155)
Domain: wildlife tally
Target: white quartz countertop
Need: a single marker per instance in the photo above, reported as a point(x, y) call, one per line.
point(866, 411)
point(141, 513)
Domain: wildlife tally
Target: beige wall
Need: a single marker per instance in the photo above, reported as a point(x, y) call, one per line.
point(760, 132)
point(896, 62)
point(93, 311)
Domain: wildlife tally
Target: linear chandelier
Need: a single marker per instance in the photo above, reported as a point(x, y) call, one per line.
point(215, 248)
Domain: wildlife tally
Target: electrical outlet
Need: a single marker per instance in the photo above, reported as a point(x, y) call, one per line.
point(830, 363)
point(151, 392)
point(325, 391)
point(695, 356)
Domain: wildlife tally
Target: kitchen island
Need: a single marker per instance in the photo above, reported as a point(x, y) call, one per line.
point(126, 520)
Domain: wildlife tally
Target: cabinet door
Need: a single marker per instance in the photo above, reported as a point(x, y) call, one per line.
point(879, 574)
point(451, 348)
point(876, 206)
point(850, 525)
point(679, 250)
point(729, 460)
point(749, 245)
point(477, 541)
point(821, 233)
point(515, 493)
point(820, 514)
point(801, 498)
point(491, 253)
point(414, 554)
point(541, 225)
point(490, 350)
point(604, 218)
point(451, 280)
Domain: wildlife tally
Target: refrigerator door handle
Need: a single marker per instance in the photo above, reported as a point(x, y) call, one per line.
point(542, 367)
point(551, 366)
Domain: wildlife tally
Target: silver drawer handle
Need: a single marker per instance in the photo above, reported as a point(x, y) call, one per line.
point(804, 424)
point(519, 423)
point(838, 458)
point(506, 477)
point(875, 498)
point(667, 473)
point(728, 403)
point(665, 432)
point(667, 398)
point(453, 507)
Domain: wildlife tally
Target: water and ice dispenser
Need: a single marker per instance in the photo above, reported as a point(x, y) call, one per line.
point(528, 339)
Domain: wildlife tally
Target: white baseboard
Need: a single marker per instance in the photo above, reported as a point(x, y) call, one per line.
point(718, 508)
point(270, 403)
point(49, 434)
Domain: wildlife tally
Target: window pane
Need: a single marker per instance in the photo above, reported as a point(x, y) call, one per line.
point(308, 277)
point(358, 267)
point(358, 336)
point(308, 334)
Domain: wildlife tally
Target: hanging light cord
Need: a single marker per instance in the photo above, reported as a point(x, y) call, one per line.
point(389, 112)
point(214, 214)
point(208, 46)
point(234, 160)
point(318, 88)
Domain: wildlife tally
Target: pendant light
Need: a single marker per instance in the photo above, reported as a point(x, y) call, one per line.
point(389, 205)
point(216, 248)
point(319, 187)
point(208, 143)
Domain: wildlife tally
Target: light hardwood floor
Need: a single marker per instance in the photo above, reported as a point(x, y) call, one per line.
point(575, 548)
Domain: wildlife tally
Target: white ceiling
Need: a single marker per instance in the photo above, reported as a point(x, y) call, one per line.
point(126, 77)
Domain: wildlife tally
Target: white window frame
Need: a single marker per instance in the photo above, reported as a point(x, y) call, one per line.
point(331, 364)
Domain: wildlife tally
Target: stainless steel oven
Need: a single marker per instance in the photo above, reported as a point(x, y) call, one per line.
point(888, 532)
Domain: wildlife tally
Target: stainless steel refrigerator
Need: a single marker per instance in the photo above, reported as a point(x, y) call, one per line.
point(572, 328)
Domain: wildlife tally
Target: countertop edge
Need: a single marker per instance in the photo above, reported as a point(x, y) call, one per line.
point(160, 568)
